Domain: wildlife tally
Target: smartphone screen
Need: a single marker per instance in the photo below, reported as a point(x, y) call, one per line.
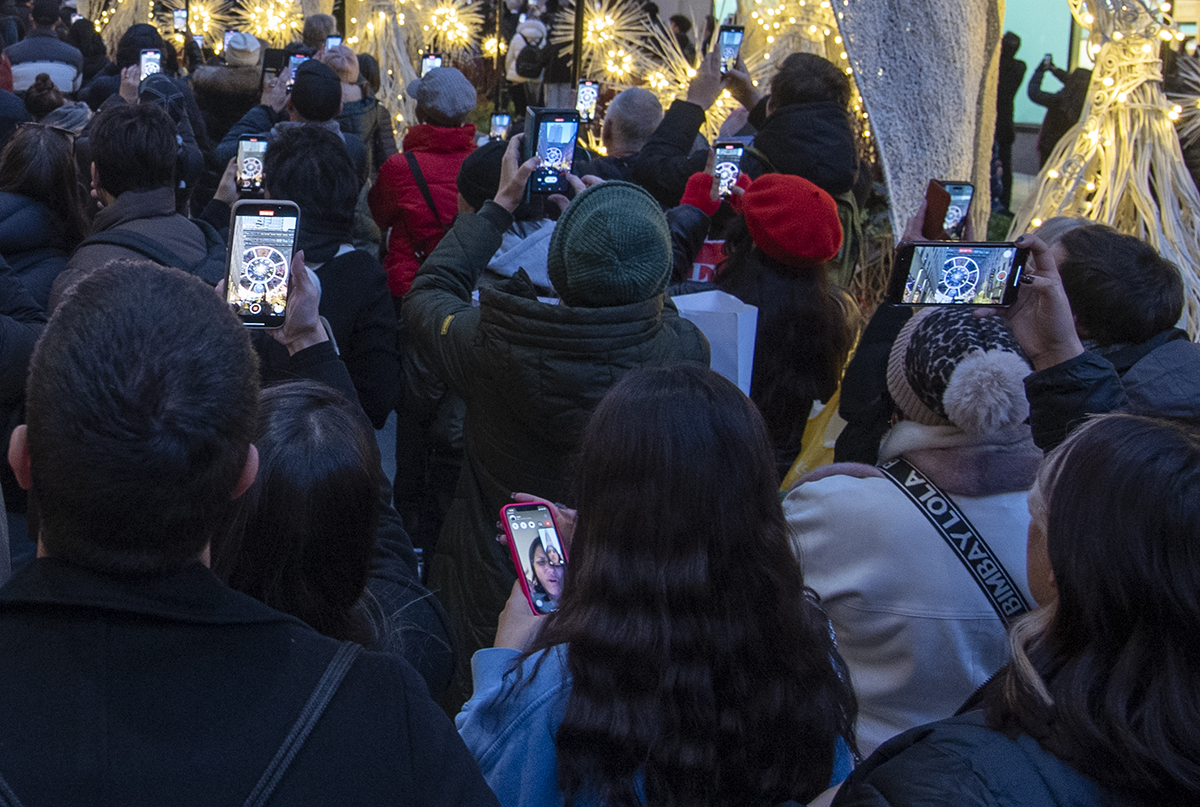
point(199, 40)
point(151, 62)
point(556, 149)
point(293, 63)
point(333, 42)
point(586, 97)
point(727, 166)
point(537, 552)
point(957, 274)
point(229, 32)
point(262, 239)
point(76, 18)
point(500, 123)
point(429, 62)
point(960, 206)
point(179, 16)
point(251, 151)
point(729, 40)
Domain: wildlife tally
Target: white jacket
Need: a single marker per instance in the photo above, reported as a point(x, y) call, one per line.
point(912, 624)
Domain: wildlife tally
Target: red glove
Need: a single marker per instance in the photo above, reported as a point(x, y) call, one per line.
point(698, 193)
point(735, 199)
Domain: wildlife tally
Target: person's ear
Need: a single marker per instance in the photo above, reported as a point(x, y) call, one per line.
point(249, 472)
point(95, 181)
point(18, 456)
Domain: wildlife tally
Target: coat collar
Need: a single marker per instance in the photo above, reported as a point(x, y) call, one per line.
point(132, 205)
point(192, 594)
point(440, 139)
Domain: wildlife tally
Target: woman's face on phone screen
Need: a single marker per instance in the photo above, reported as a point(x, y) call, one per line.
point(548, 574)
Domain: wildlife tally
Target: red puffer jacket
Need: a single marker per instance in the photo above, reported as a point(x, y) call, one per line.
point(396, 201)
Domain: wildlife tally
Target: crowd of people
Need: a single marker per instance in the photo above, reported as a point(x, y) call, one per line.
point(214, 591)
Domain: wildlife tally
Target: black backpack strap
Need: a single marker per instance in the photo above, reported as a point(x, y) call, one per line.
point(988, 572)
point(326, 688)
point(423, 186)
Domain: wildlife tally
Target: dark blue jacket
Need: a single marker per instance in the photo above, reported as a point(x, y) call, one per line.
point(34, 241)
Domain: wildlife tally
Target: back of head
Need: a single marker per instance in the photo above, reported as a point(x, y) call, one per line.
point(134, 148)
point(141, 400)
point(444, 97)
point(684, 597)
point(682, 23)
point(1053, 229)
point(243, 50)
point(631, 119)
point(317, 92)
point(317, 28)
point(806, 78)
point(38, 162)
point(1106, 672)
point(792, 220)
point(479, 179)
point(1010, 43)
point(1121, 290)
point(343, 62)
point(310, 166)
point(45, 12)
point(137, 38)
point(368, 70)
point(611, 247)
point(948, 366)
point(43, 97)
point(83, 35)
point(306, 531)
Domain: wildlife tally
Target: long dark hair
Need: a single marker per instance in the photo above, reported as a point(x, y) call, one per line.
point(306, 531)
point(699, 660)
point(804, 334)
point(38, 162)
point(1105, 677)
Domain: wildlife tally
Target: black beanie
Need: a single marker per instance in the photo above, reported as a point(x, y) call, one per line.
point(317, 93)
point(479, 177)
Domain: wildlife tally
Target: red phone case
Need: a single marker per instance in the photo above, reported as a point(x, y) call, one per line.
point(512, 545)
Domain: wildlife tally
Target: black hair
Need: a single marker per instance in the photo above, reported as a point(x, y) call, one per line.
point(83, 35)
point(685, 606)
point(803, 338)
point(38, 162)
point(682, 23)
point(1105, 675)
point(806, 78)
point(1121, 291)
point(141, 399)
point(43, 97)
point(309, 165)
point(306, 528)
point(134, 148)
point(139, 37)
point(533, 548)
point(368, 72)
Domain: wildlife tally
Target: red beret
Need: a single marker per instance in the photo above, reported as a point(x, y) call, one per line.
point(792, 220)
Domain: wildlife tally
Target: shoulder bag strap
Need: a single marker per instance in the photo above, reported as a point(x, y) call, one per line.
point(988, 572)
point(423, 186)
point(327, 687)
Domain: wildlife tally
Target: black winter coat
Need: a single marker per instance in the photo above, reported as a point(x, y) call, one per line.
point(34, 241)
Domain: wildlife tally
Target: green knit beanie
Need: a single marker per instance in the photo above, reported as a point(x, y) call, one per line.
point(611, 247)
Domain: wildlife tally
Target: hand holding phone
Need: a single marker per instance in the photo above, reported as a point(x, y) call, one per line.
point(538, 553)
point(944, 273)
point(251, 152)
point(262, 241)
point(150, 63)
point(947, 210)
point(727, 164)
point(550, 134)
point(729, 42)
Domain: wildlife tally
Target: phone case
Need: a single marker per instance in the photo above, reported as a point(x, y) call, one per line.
point(515, 551)
point(937, 204)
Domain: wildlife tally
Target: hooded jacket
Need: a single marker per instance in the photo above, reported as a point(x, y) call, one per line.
point(530, 374)
point(224, 94)
point(397, 203)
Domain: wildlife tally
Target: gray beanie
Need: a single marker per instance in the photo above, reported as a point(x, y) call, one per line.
point(611, 247)
point(444, 91)
point(948, 366)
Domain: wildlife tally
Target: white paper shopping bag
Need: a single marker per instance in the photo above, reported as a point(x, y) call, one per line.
point(730, 326)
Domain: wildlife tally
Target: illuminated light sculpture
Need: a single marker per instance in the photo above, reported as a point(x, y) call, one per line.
point(275, 22)
point(449, 27)
point(614, 39)
point(381, 28)
point(1121, 164)
point(208, 18)
point(114, 20)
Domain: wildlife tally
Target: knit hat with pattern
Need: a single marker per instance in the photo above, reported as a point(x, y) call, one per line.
point(948, 366)
point(611, 247)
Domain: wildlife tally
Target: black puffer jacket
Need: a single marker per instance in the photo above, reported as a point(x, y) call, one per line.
point(813, 141)
point(960, 761)
point(371, 121)
point(34, 241)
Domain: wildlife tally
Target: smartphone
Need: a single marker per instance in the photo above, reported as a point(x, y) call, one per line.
point(251, 150)
point(538, 553)
point(294, 61)
point(179, 16)
point(941, 273)
point(550, 134)
point(586, 96)
point(332, 42)
point(76, 18)
point(727, 166)
point(199, 40)
point(959, 208)
point(430, 61)
point(937, 204)
point(500, 123)
point(151, 62)
point(729, 40)
point(261, 242)
point(229, 32)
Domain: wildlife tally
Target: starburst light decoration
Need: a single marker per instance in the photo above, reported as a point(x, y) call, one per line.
point(450, 27)
point(1121, 164)
point(614, 39)
point(276, 22)
point(208, 18)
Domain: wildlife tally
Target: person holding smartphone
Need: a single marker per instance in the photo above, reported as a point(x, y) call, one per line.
point(684, 605)
point(226, 92)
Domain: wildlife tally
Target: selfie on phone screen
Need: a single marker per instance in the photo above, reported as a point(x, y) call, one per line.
point(539, 551)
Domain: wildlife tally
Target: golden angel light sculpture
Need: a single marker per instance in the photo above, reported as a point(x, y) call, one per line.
point(1121, 164)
